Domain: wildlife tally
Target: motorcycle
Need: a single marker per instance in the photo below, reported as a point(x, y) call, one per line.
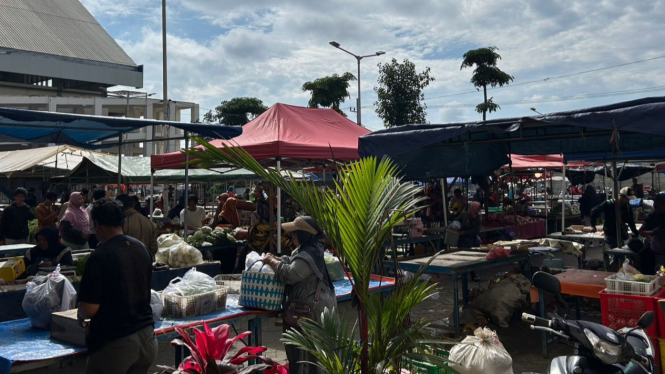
point(597, 348)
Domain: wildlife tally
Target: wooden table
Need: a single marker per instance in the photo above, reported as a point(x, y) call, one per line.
point(574, 282)
point(460, 264)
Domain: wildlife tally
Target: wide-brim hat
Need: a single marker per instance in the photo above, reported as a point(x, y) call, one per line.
point(304, 223)
point(628, 192)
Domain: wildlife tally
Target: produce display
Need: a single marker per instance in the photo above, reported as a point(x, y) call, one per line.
point(218, 236)
point(194, 294)
point(33, 227)
point(176, 253)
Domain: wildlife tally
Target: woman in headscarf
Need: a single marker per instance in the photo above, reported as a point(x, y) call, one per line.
point(307, 282)
point(469, 226)
point(217, 219)
point(229, 213)
point(48, 252)
point(75, 223)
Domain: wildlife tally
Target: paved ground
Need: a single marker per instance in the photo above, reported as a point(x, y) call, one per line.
point(523, 344)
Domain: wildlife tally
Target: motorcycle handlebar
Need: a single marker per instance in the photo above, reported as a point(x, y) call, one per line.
point(536, 321)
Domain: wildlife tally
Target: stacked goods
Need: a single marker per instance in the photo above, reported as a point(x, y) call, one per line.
point(12, 269)
point(194, 294)
point(206, 236)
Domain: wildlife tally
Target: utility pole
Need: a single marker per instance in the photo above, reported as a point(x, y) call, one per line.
point(164, 70)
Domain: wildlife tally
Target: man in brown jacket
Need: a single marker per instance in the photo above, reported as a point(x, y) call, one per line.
point(137, 225)
point(47, 216)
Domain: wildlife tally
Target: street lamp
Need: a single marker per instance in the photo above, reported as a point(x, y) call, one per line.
point(534, 109)
point(358, 58)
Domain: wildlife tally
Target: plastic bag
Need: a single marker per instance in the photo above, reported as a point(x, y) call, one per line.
point(253, 262)
point(192, 283)
point(162, 255)
point(168, 240)
point(156, 305)
point(482, 353)
point(496, 253)
point(184, 255)
point(500, 300)
point(335, 269)
point(455, 225)
point(45, 295)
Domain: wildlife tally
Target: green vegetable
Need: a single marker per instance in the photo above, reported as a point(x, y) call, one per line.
point(79, 265)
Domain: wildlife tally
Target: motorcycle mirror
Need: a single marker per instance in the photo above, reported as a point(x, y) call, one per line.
point(645, 321)
point(547, 283)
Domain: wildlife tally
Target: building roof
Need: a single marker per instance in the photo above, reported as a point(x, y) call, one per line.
point(60, 28)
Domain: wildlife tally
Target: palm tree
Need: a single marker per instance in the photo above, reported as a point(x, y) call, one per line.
point(329, 92)
point(358, 222)
point(486, 73)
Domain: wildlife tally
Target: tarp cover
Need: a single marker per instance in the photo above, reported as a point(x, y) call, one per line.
point(102, 169)
point(17, 125)
point(536, 162)
point(425, 151)
point(62, 158)
point(289, 132)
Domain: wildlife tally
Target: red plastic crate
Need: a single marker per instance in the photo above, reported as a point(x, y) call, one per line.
point(619, 311)
point(660, 317)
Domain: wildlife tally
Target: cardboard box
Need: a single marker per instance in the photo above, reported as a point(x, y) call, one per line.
point(65, 327)
point(12, 269)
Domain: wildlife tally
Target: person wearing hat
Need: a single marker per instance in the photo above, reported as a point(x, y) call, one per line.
point(654, 226)
point(308, 285)
point(625, 217)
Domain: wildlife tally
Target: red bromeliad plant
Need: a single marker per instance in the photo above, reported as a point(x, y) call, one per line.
point(209, 354)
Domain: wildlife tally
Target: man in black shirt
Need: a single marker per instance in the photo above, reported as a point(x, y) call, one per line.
point(115, 296)
point(625, 218)
point(14, 224)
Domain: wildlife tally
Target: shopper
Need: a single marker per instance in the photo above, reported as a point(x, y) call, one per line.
point(470, 224)
point(137, 225)
point(308, 284)
point(457, 203)
point(48, 251)
point(75, 224)
point(195, 214)
point(15, 217)
point(115, 297)
point(588, 201)
point(654, 226)
point(92, 237)
point(47, 216)
point(625, 218)
point(31, 199)
point(261, 214)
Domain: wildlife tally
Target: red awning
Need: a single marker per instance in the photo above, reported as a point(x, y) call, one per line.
point(537, 162)
point(291, 133)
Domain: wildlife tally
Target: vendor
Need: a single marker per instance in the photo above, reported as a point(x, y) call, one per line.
point(195, 214)
point(625, 218)
point(435, 202)
point(654, 226)
point(48, 252)
point(217, 219)
point(457, 203)
point(262, 213)
point(588, 201)
point(469, 226)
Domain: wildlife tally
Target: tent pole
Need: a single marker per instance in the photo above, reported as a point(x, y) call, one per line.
point(546, 199)
point(119, 191)
point(615, 194)
point(152, 193)
point(512, 186)
point(186, 182)
point(444, 202)
point(279, 211)
point(605, 180)
point(563, 199)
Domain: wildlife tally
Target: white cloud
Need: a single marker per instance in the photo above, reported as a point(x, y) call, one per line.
point(267, 49)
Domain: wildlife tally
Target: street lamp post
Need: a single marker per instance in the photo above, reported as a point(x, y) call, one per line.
point(358, 58)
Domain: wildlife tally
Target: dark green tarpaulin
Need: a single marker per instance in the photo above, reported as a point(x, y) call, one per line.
point(104, 169)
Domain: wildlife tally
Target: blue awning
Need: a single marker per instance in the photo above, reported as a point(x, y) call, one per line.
point(23, 126)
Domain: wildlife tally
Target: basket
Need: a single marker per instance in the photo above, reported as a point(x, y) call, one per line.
point(619, 311)
point(625, 287)
point(231, 281)
point(452, 238)
point(261, 290)
point(195, 305)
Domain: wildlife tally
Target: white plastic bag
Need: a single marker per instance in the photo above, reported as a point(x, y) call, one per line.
point(192, 283)
point(168, 240)
point(156, 305)
point(162, 255)
point(253, 261)
point(45, 295)
point(482, 353)
point(184, 255)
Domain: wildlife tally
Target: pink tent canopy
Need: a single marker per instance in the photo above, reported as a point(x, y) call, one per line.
point(290, 133)
point(537, 162)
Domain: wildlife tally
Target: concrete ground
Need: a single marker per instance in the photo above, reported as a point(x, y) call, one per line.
point(523, 344)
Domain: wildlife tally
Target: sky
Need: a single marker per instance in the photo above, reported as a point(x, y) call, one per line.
point(563, 54)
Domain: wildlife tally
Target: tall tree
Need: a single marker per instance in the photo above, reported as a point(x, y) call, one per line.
point(400, 93)
point(329, 92)
point(486, 73)
point(236, 112)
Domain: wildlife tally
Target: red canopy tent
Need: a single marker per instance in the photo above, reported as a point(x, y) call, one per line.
point(537, 162)
point(290, 133)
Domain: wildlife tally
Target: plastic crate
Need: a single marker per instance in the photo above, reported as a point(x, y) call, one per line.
point(417, 367)
point(195, 305)
point(619, 311)
point(231, 281)
point(631, 287)
point(660, 317)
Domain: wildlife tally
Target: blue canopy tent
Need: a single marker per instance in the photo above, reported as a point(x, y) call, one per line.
point(28, 126)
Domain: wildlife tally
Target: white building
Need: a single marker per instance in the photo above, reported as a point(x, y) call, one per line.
point(54, 56)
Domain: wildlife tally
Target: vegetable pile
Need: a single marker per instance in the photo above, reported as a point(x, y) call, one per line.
point(218, 236)
point(176, 253)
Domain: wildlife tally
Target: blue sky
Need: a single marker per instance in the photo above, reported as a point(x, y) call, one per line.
point(220, 49)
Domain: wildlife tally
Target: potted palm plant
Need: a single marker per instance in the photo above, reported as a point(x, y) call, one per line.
point(357, 216)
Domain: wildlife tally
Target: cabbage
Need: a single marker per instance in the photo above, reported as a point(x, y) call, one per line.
point(206, 230)
point(198, 235)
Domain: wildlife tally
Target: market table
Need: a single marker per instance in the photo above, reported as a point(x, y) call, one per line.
point(460, 264)
point(574, 282)
point(412, 241)
point(14, 249)
point(25, 348)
